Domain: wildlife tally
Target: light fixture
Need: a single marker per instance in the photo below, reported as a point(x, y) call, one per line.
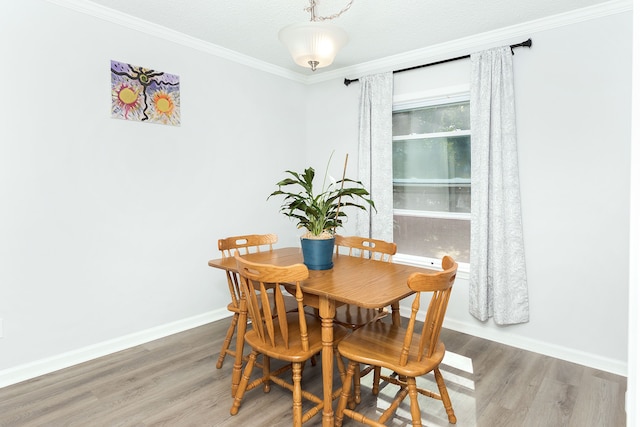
point(314, 44)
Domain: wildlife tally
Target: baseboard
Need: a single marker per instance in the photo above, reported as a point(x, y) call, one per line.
point(559, 352)
point(41, 367)
point(65, 360)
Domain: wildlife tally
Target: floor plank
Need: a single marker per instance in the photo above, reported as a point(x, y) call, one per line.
point(173, 382)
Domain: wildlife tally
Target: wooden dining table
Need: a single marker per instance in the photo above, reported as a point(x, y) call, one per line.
point(352, 280)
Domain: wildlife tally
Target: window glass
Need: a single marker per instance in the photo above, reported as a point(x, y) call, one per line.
point(432, 237)
point(432, 119)
point(432, 174)
point(432, 180)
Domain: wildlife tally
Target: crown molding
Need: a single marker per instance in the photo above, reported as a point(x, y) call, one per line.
point(415, 57)
point(144, 26)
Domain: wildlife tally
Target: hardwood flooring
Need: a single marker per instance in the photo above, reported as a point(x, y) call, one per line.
point(174, 382)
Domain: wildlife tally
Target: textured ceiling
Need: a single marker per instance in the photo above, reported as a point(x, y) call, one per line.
point(377, 28)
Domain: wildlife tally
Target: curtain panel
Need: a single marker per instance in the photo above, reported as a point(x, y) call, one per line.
point(374, 155)
point(498, 282)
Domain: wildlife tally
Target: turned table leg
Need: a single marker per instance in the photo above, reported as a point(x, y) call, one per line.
point(327, 313)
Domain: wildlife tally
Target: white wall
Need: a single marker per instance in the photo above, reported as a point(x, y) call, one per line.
point(573, 106)
point(106, 226)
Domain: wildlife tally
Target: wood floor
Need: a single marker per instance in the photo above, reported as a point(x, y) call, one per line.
point(174, 382)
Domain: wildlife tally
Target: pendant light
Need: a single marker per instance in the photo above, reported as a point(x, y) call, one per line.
point(314, 44)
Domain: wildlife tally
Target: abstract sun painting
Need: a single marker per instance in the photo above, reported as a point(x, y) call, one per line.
point(144, 95)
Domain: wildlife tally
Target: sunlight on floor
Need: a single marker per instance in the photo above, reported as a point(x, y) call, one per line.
point(459, 363)
point(457, 371)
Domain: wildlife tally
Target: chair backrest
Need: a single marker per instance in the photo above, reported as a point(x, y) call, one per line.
point(364, 247)
point(244, 244)
point(265, 303)
point(439, 284)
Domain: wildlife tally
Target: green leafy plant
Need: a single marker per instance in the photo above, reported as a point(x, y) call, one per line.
point(320, 213)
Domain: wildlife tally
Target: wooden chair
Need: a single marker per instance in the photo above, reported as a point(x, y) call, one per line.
point(244, 244)
point(363, 247)
point(354, 317)
point(409, 352)
point(293, 337)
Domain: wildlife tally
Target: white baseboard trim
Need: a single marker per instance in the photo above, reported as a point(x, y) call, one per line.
point(41, 367)
point(559, 352)
point(591, 360)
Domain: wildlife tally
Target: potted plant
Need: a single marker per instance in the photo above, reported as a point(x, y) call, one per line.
point(321, 211)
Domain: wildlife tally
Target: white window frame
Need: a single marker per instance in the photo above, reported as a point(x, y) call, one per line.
point(428, 99)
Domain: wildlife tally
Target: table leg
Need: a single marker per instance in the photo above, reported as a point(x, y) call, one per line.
point(327, 313)
point(237, 365)
point(395, 313)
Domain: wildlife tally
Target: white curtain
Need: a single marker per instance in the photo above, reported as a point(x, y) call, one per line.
point(374, 155)
point(498, 281)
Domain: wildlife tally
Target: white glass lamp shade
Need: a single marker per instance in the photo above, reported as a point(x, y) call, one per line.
point(312, 42)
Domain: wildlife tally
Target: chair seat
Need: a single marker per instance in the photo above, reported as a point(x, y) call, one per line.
point(294, 353)
point(380, 344)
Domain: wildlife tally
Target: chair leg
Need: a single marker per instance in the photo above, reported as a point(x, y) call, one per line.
point(266, 373)
point(297, 394)
point(343, 373)
point(356, 384)
point(444, 394)
point(416, 418)
point(227, 340)
point(376, 380)
point(242, 387)
point(340, 364)
point(236, 372)
point(344, 396)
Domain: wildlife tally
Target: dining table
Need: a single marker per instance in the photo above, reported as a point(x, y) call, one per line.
point(352, 280)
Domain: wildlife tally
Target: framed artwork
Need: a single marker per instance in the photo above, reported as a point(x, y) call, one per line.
point(144, 95)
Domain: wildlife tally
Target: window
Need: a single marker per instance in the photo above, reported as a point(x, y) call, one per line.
point(432, 179)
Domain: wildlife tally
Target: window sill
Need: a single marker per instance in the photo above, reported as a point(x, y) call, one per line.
point(463, 267)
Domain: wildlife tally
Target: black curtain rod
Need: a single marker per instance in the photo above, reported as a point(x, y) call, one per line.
point(526, 43)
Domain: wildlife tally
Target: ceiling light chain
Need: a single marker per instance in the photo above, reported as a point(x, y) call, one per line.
point(314, 18)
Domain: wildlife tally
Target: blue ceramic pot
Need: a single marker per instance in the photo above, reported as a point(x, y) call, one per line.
point(318, 254)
